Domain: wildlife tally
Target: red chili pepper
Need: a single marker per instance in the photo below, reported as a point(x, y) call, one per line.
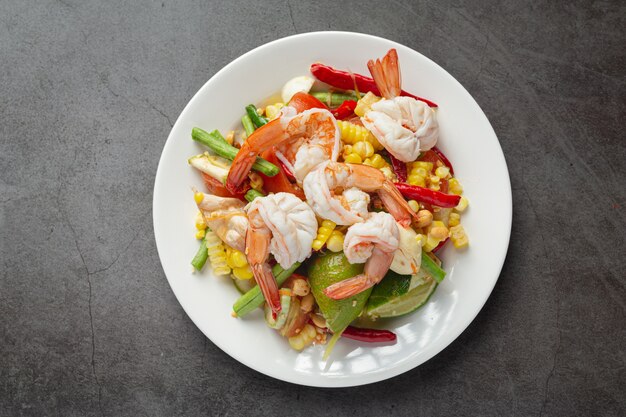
point(347, 81)
point(303, 101)
point(399, 168)
point(443, 158)
point(436, 198)
point(286, 170)
point(440, 245)
point(345, 110)
point(217, 188)
point(368, 335)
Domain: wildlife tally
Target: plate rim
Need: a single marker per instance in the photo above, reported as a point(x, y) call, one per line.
point(367, 378)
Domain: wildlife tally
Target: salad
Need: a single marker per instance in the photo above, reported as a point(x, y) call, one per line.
point(327, 206)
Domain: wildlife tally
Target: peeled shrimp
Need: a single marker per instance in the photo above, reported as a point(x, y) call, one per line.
point(283, 225)
point(372, 242)
point(335, 191)
point(302, 141)
point(227, 218)
point(403, 125)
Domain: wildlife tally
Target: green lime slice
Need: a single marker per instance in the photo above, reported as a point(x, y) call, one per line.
point(397, 295)
point(328, 269)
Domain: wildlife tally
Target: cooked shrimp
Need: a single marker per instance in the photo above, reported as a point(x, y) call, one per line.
point(373, 242)
point(283, 225)
point(227, 218)
point(335, 192)
point(302, 141)
point(403, 125)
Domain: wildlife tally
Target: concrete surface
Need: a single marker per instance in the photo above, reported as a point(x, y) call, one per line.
point(88, 93)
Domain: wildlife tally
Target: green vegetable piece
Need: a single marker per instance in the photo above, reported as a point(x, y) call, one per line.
point(281, 318)
point(216, 142)
point(431, 268)
point(326, 270)
point(252, 194)
point(332, 99)
point(257, 120)
point(253, 299)
point(199, 260)
point(397, 295)
point(247, 125)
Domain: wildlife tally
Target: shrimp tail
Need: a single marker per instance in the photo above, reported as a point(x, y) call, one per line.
point(386, 74)
point(396, 204)
point(349, 287)
point(261, 140)
point(264, 277)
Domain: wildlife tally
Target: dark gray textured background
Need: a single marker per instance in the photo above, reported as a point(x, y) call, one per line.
point(88, 93)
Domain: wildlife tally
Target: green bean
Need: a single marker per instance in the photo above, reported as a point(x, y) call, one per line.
point(247, 124)
point(199, 260)
point(218, 144)
point(254, 116)
point(332, 99)
point(253, 299)
point(252, 194)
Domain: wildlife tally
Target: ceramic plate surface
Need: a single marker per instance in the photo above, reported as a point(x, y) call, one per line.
point(466, 137)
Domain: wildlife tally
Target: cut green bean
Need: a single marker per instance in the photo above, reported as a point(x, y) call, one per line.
point(218, 144)
point(253, 299)
point(247, 124)
point(254, 116)
point(252, 194)
point(199, 260)
point(332, 99)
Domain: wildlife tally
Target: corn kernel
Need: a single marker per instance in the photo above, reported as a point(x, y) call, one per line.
point(463, 203)
point(458, 237)
point(347, 150)
point(420, 171)
point(198, 197)
point(364, 149)
point(368, 162)
point(388, 173)
point(416, 180)
point(442, 172)
point(296, 342)
point(335, 242)
point(431, 243)
point(375, 143)
point(329, 223)
point(454, 219)
point(454, 186)
point(434, 179)
point(317, 244)
point(428, 166)
point(200, 223)
point(421, 239)
point(353, 158)
point(434, 187)
point(377, 161)
point(245, 272)
point(415, 206)
point(365, 104)
point(237, 259)
point(200, 234)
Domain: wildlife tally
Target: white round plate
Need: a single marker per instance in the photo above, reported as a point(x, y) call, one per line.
point(466, 138)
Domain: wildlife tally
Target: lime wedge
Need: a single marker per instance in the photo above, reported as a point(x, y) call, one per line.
point(397, 295)
point(328, 269)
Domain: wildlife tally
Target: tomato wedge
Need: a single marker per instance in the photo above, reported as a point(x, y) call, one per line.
point(279, 183)
point(303, 101)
